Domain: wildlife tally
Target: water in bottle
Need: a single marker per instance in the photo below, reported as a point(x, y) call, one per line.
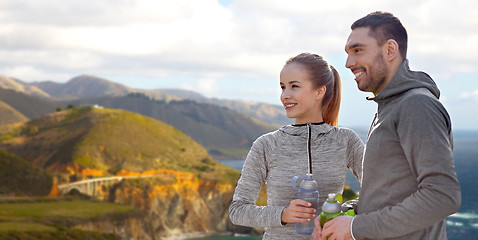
point(308, 192)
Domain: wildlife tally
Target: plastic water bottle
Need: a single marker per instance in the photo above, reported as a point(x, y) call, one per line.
point(330, 210)
point(308, 192)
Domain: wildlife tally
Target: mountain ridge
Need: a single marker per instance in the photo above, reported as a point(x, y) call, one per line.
point(20, 86)
point(88, 86)
point(30, 106)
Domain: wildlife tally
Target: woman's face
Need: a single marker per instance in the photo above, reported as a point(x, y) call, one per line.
point(300, 100)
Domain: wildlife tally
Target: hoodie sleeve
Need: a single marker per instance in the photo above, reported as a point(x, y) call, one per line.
point(243, 210)
point(424, 131)
point(355, 148)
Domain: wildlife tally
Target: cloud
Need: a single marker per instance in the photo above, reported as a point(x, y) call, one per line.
point(29, 72)
point(247, 38)
point(225, 48)
point(74, 59)
point(203, 86)
point(473, 95)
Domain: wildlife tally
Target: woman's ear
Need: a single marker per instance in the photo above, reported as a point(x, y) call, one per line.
point(321, 92)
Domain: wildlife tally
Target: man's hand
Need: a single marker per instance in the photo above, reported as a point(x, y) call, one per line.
point(317, 233)
point(295, 213)
point(337, 229)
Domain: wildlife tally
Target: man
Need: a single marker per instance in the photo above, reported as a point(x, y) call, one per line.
point(409, 181)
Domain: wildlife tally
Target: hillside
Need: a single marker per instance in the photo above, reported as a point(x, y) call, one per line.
point(87, 86)
point(30, 106)
point(19, 177)
point(274, 114)
point(189, 192)
point(212, 126)
point(10, 115)
point(90, 141)
point(19, 86)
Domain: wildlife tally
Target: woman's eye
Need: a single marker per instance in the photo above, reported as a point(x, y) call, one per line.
point(282, 87)
point(295, 86)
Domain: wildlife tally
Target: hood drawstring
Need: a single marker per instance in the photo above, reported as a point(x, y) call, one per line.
point(308, 147)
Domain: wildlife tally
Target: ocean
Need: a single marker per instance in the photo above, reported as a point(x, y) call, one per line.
point(460, 226)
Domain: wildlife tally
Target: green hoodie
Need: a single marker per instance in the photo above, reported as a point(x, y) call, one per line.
point(409, 181)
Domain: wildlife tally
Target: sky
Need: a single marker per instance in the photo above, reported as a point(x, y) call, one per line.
point(233, 49)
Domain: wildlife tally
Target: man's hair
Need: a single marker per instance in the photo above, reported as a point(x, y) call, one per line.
point(385, 26)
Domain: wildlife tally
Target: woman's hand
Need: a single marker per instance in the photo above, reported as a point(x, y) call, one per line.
point(298, 211)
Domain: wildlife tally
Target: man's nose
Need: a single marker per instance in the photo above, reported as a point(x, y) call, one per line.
point(350, 62)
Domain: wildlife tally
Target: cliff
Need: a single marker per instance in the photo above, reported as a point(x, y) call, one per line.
point(130, 228)
point(174, 203)
point(187, 206)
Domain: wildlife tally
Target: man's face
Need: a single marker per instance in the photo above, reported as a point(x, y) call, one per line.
point(366, 61)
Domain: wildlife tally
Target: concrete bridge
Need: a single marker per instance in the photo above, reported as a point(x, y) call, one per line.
point(90, 186)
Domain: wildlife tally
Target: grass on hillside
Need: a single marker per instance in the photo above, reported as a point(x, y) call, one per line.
point(74, 208)
point(20, 177)
point(9, 115)
point(52, 219)
point(25, 226)
point(229, 153)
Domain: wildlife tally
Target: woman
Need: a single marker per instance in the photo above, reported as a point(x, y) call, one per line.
point(311, 94)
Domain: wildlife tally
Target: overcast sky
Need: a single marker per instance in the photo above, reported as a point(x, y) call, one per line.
point(233, 49)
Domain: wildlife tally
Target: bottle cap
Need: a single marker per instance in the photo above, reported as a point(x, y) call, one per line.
point(331, 205)
point(308, 183)
point(331, 197)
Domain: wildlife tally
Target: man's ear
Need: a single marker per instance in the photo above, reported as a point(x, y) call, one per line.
point(391, 50)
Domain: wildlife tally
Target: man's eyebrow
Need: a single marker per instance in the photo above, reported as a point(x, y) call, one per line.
point(354, 46)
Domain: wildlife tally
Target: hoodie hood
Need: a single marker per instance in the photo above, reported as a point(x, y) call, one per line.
point(404, 80)
point(298, 130)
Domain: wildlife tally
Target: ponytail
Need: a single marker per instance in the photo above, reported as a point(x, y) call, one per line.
point(331, 109)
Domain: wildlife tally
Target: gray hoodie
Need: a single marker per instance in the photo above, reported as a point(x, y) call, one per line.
point(409, 181)
point(275, 158)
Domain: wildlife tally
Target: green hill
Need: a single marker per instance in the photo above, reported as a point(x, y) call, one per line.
point(106, 140)
point(10, 115)
point(212, 126)
point(20, 177)
point(30, 106)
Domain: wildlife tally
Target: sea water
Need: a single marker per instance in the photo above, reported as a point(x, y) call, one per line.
point(223, 237)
